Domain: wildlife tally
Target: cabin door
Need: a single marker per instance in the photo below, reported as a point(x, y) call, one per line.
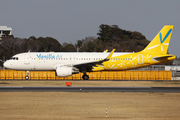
point(26, 59)
point(140, 59)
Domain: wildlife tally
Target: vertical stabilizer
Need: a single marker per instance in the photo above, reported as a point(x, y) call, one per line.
point(160, 43)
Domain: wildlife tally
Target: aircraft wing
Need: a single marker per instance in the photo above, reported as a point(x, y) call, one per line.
point(89, 65)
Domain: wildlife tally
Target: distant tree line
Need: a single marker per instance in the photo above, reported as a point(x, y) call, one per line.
point(109, 37)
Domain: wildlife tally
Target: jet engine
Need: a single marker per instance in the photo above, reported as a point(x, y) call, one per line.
point(66, 71)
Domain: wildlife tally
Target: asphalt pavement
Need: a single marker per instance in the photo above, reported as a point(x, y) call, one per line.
point(89, 89)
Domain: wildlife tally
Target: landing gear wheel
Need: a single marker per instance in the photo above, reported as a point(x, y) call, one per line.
point(85, 77)
point(26, 77)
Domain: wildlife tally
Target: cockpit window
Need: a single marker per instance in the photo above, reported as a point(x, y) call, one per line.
point(14, 58)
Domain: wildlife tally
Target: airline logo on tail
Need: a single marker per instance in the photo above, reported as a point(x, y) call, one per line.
point(161, 41)
point(160, 37)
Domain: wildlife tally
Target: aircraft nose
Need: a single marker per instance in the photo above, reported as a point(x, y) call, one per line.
point(6, 64)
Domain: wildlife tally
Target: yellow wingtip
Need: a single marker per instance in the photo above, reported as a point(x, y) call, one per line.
point(110, 55)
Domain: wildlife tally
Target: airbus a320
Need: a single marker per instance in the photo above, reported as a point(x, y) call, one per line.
point(69, 63)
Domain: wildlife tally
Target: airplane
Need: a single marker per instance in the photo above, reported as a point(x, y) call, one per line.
point(69, 63)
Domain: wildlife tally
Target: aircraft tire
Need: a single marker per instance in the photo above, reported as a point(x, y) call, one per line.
point(85, 77)
point(26, 77)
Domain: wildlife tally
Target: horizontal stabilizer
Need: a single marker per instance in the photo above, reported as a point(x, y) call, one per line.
point(162, 57)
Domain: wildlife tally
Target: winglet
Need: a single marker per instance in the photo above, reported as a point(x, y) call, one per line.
point(105, 51)
point(110, 55)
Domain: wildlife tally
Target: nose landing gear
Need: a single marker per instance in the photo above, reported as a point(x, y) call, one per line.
point(27, 75)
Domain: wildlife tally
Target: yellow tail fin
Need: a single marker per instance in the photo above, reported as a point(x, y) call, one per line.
point(160, 43)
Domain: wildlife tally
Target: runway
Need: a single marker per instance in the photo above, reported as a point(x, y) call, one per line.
point(90, 89)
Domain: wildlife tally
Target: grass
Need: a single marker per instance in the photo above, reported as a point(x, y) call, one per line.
point(88, 105)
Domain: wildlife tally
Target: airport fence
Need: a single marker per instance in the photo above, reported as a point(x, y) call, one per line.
point(105, 75)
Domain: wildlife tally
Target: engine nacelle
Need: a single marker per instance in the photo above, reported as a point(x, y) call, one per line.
point(64, 71)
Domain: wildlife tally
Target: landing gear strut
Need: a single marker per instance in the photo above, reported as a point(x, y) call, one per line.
point(85, 77)
point(27, 75)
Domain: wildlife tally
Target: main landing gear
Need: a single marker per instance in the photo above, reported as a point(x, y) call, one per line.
point(85, 77)
point(27, 75)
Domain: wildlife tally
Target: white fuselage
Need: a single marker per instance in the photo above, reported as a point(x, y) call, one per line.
point(37, 61)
